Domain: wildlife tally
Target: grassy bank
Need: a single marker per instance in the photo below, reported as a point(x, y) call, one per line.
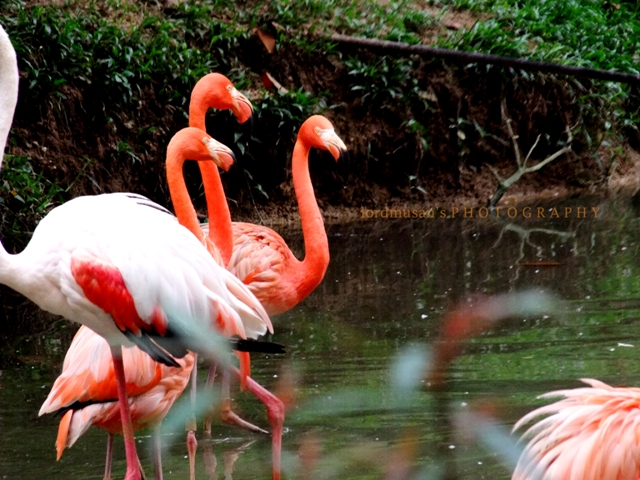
point(105, 84)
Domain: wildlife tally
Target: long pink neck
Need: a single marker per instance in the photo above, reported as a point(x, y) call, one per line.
point(180, 195)
point(316, 245)
point(220, 231)
point(198, 114)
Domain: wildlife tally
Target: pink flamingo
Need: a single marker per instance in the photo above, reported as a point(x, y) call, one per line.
point(262, 259)
point(94, 260)
point(86, 392)
point(591, 433)
point(214, 90)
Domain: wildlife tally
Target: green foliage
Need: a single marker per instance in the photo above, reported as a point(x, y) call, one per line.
point(392, 21)
point(56, 47)
point(383, 80)
point(575, 32)
point(26, 195)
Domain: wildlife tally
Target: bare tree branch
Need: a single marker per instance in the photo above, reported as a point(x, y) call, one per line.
point(505, 183)
point(495, 172)
point(535, 144)
point(565, 149)
point(514, 137)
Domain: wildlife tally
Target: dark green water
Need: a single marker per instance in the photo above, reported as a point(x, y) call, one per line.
point(388, 286)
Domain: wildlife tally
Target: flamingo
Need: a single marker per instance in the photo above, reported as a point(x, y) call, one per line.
point(591, 433)
point(95, 260)
point(86, 392)
point(262, 259)
point(9, 80)
point(257, 254)
point(214, 90)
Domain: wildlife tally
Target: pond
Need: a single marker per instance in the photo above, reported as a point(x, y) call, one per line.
point(389, 284)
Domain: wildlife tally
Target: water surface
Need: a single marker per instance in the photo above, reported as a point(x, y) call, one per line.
point(388, 285)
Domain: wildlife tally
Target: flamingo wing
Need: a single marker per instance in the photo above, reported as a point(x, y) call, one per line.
point(260, 259)
point(113, 276)
point(148, 406)
point(590, 433)
point(88, 375)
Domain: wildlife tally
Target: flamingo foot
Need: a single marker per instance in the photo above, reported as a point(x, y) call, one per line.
point(192, 446)
point(229, 417)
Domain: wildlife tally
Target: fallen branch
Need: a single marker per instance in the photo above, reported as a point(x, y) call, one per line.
point(505, 183)
point(470, 57)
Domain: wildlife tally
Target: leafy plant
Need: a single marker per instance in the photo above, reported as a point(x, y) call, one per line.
point(26, 196)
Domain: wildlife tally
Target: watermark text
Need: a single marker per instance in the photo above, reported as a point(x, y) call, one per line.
point(483, 212)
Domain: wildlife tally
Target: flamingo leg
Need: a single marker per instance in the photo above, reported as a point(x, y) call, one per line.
point(192, 442)
point(211, 375)
point(133, 464)
point(157, 454)
point(275, 412)
point(108, 461)
point(229, 416)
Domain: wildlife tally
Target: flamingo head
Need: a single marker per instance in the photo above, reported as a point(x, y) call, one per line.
point(222, 155)
point(193, 144)
point(318, 132)
point(216, 91)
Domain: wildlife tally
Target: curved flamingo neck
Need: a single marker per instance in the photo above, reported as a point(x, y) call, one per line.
point(198, 114)
point(9, 79)
point(180, 195)
point(316, 245)
point(220, 230)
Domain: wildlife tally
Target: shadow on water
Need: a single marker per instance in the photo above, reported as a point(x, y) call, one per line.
point(387, 287)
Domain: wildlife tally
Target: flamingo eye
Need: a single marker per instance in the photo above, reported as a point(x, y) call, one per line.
point(317, 130)
point(229, 87)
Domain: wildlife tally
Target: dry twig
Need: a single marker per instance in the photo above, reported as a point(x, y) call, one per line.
point(505, 183)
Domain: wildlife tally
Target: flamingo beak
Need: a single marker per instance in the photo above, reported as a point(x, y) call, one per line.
point(242, 108)
point(333, 143)
point(221, 155)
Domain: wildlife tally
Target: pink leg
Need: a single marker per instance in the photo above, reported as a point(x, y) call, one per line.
point(211, 375)
point(133, 464)
point(192, 442)
point(275, 412)
point(157, 454)
point(229, 416)
point(108, 461)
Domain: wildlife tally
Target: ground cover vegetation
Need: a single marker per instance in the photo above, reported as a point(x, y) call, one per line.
point(105, 84)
